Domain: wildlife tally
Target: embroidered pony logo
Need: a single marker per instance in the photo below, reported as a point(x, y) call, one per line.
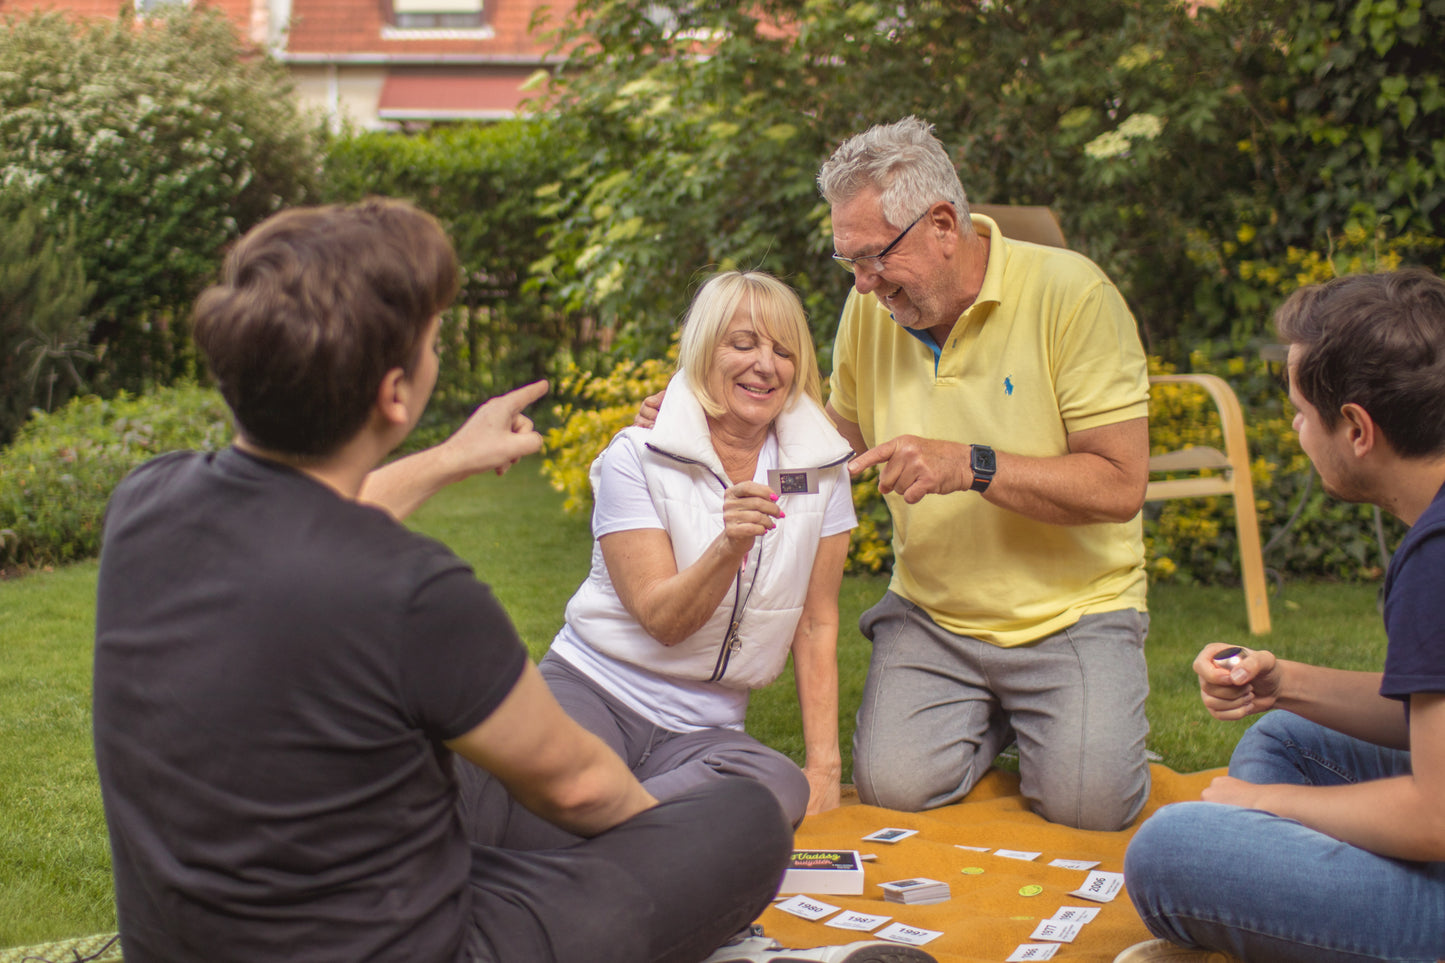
point(1008, 386)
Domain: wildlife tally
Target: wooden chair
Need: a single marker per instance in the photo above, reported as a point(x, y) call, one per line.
point(1207, 471)
point(1022, 222)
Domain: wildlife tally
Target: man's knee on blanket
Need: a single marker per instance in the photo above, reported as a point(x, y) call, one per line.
point(899, 781)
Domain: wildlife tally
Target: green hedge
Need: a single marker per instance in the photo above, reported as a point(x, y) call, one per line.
point(57, 476)
point(481, 181)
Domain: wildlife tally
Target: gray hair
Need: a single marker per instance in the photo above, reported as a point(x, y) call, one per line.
point(905, 161)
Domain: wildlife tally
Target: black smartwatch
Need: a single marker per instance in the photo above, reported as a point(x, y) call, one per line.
point(981, 459)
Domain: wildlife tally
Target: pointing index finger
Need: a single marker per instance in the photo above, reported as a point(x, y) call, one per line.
point(876, 455)
point(520, 398)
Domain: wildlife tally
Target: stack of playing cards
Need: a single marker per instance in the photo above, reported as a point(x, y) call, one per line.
point(916, 891)
point(824, 871)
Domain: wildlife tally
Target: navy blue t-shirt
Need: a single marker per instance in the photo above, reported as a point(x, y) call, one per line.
point(1415, 608)
point(276, 669)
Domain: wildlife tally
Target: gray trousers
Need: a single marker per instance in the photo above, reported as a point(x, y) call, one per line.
point(669, 885)
point(668, 763)
point(938, 707)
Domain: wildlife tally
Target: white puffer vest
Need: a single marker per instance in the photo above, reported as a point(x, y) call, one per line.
point(686, 481)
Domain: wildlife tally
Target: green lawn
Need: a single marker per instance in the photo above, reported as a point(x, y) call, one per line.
point(54, 864)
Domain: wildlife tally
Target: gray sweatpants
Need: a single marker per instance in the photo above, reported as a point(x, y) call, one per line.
point(667, 762)
point(938, 707)
point(668, 886)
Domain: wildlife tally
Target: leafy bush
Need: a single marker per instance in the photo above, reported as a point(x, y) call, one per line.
point(1162, 136)
point(701, 161)
point(56, 478)
point(42, 292)
point(163, 141)
point(1210, 160)
point(1322, 119)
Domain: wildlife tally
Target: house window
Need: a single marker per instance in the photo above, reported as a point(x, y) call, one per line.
point(436, 14)
point(148, 7)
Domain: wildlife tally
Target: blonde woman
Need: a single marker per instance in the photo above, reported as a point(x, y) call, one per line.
point(707, 571)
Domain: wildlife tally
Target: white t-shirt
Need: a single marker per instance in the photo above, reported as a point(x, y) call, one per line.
point(622, 504)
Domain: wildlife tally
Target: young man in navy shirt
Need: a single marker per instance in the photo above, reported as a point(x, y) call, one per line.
point(1326, 841)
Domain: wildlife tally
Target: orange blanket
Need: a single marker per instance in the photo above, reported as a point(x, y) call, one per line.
point(987, 917)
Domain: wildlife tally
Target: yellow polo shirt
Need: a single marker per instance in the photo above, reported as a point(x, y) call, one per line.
point(1048, 348)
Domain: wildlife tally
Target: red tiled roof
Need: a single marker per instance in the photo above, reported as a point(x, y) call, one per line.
point(239, 11)
point(353, 29)
point(451, 96)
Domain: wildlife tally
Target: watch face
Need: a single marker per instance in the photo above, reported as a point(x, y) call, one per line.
point(983, 459)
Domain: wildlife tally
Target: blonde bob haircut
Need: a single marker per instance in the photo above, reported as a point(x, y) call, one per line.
point(777, 315)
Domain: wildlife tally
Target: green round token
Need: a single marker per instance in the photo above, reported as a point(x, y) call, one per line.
point(1032, 889)
point(972, 870)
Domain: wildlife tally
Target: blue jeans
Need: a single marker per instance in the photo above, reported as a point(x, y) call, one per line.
point(1263, 887)
point(938, 707)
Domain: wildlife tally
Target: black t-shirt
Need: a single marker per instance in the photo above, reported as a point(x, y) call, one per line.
point(275, 670)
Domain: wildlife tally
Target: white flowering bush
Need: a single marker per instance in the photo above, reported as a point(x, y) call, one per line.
point(161, 141)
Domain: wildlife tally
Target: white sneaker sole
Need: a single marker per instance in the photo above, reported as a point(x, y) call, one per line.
point(875, 953)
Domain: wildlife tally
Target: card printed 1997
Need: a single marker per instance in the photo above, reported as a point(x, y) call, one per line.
point(912, 935)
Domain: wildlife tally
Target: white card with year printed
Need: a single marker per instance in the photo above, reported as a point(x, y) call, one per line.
point(853, 920)
point(1101, 887)
point(808, 909)
point(912, 935)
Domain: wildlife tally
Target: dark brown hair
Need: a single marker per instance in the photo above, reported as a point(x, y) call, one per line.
point(1378, 341)
point(315, 305)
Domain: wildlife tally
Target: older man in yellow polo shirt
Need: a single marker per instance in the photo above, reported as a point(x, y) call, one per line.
point(1001, 390)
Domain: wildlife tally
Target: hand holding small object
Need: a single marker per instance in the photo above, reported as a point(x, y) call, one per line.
point(1230, 657)
point(749, 510)
point(1235, 682)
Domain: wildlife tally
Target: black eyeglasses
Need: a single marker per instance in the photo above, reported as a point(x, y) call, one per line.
point(874, 262)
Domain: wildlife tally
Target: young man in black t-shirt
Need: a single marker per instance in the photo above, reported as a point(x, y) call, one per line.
point(284, 674)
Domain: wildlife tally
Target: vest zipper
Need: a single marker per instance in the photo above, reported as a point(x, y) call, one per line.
point(732, 642)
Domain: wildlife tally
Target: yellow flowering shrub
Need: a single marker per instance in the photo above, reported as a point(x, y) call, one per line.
point(1358, 249)
point(870, 546)
point(1189, 540)
point(598, 407)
